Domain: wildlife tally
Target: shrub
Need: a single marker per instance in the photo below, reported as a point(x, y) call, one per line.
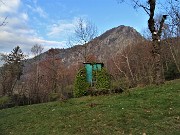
point(122, 84)
point(4, 100)
point(20, 100)
point(103, 79)
point(81, 85)
point(54, 96)
point(69, 91)
point(172, 72)
point(69, 88)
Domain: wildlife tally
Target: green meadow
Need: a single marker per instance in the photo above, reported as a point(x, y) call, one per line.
point(152, 110)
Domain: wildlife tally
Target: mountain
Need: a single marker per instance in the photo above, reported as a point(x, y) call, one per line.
point(102, 47)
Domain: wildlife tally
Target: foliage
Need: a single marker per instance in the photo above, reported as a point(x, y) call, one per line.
point(102, 79)
point(153, 110)
point(4, 100)
point(20, 99)
point(54, 96)
point(172, 72)
point(101, 86)
point(14, 62)
point(81, 85)
point(69, 91)
point(122, 83)
point(12, 70)
point(69, 88)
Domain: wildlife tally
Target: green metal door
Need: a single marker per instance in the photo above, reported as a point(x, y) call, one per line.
point(89, 73)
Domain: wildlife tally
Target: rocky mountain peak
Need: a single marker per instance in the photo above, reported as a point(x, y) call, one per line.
point(102, 47)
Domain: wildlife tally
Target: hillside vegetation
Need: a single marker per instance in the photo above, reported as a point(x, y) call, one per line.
point(150, 110)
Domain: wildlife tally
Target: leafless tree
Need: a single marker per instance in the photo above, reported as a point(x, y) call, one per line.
point(173, 10)
point(149, 8)
point(172, 29)
point(37, 50)
point(85, 31)
point(54, 64)
point(124, 61)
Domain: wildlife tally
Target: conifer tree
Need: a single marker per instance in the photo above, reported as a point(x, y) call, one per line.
point(12, 70)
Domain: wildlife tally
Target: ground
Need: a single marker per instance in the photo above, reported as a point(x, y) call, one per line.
point(150, 110)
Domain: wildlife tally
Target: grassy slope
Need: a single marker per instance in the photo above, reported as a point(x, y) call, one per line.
point(150, 110)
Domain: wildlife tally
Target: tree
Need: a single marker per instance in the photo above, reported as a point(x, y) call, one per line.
point(80, 85)
point(172, 30)
point(54, 64)
point(133, 64)
point(122, 63)
point(85, 31)
point(156, 37)
point(173, 10)
point(12, 70)
point(37, 50)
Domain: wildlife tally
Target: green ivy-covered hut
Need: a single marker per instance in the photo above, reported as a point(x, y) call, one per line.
point(90, 68)
point(92, 75)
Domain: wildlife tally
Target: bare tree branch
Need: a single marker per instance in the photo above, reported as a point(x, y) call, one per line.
point(146, 9)
point(2, 2)
point(4, 22)
point(161, 25)
point(85, 31)
point(156, 35)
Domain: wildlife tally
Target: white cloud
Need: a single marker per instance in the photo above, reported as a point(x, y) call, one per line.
point(24, 16)
point(10, 6)
point(62, 29)
point(41, 12)
point(10, 40)
point(18, 32)
point(37, 9)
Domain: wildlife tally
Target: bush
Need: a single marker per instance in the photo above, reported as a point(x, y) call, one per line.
point(69, 88)
point(103, 79)
point(81, 85)
point(122, 84)
point(5, 102)
point(97, 92)
point(69, 91)
point(20, 100)
point(54, 96)
point(172, 72)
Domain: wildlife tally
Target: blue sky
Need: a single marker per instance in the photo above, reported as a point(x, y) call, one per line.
point(51, 22)
point(106, 14)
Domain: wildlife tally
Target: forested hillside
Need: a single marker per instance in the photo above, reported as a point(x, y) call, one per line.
point(129, 59)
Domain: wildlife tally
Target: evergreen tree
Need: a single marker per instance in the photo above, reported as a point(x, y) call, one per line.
point(12, 70)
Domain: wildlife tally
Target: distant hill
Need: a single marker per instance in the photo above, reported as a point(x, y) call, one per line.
point(102, 47)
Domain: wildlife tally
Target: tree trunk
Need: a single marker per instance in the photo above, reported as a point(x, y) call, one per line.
point(158, 66)
point(156, 36)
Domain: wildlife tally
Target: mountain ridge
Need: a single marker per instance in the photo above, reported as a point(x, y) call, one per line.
point(101, 47)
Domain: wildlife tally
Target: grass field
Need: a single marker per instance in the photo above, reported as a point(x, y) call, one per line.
point(154, 110)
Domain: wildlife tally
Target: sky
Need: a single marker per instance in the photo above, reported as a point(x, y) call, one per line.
point(51, 22)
